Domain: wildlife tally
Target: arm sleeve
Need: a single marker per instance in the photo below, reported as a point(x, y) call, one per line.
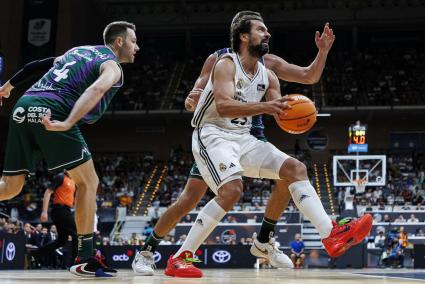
point(57, 181)
point(42, 65)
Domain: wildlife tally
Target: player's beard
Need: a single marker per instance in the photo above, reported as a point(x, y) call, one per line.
point(258, 50)
point(126, 49)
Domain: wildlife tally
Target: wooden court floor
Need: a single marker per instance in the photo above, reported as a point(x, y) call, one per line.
point(231, 276)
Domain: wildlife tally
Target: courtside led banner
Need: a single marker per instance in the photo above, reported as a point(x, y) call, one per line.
point(12, 251)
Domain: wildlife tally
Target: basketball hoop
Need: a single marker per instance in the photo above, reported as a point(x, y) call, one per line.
point(360, 185)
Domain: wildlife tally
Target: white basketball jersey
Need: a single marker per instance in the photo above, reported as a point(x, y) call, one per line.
point(247, 90)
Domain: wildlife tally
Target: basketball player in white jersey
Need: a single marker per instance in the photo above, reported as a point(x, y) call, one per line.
point(225, 151)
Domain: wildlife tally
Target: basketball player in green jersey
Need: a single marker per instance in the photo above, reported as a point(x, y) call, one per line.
point(196, 187)
point(45, 124)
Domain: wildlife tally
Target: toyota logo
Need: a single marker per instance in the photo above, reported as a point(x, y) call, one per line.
point(221, 256)
point(157, 257)
point(10, 251)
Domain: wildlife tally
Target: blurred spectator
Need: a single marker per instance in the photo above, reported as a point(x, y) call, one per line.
point(405, 206)
point(400, 219)
point(166, 241)
point(135, 240)
point(386, 218)
point(412, 219)
point(297, 251)
point(394, 256)
point(181, 239)
point(417, 199)
point(187, 219)
point(419, 233)
point(229, 219)
point(148, 229)
point(380, 240)
point(402, 237)
point(381, 206)
point(369, 207)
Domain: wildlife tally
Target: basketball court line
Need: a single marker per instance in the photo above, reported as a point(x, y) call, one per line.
point(234, 276)
point(410, 276)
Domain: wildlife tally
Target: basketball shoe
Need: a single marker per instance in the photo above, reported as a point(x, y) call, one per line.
point(101, 259)
point(347, 233)
point(91, 267)
point(270, 252)
point(182, 266)
point(143, 263)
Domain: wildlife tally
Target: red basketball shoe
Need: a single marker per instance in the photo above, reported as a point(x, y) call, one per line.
point(346, 234)
point(182, 266)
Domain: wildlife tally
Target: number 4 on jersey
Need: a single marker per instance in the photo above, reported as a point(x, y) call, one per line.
point(63, 72)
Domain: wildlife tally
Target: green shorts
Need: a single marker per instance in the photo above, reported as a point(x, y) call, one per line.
point(29, 142)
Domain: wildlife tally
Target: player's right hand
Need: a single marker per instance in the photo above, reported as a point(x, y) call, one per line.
point(277, 106)
point(54, 125)
point(192, 99)
point(44, 217)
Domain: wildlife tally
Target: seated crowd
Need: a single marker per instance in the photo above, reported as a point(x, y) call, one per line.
point(122, 177)
point(368, 77)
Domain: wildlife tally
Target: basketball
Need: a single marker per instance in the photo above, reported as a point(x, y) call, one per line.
point(301, 117)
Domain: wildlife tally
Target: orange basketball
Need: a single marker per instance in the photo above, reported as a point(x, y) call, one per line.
point(301, 117)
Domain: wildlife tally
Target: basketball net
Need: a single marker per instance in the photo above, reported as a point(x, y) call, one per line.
point(360, 185)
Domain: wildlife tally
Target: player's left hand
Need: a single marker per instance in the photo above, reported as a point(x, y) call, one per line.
point(5, 91)
point(44, 217)
point(54, 125)
point(325, 40)
point(192, 99)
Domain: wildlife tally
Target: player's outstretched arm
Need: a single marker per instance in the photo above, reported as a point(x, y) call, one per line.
point(192, 98)
point(224, 92)
point(110, 74)
point(304, 75)
point(42, 65)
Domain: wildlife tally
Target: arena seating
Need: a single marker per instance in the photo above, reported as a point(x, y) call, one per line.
point(369, 77)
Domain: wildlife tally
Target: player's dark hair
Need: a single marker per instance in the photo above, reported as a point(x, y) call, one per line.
point(116, 29)
point(241, 23)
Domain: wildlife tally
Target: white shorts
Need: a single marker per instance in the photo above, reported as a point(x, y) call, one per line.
point(222, 156)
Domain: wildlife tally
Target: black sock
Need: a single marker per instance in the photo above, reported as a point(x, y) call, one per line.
point(85, 246)
point(267, 230)
point(152, 242)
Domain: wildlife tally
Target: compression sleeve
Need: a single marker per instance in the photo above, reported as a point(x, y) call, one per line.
point(34, 66)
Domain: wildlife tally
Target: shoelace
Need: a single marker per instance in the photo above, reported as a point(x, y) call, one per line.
point(272, 242)
point(342, 224)
point(345, 221)
point(147, 260)
point(101, 260)
point(190, 260)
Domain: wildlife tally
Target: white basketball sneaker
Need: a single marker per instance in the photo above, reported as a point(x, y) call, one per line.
point(144, 263)
point(268, 251)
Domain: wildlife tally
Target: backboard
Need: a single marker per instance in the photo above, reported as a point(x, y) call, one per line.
point(359, 170)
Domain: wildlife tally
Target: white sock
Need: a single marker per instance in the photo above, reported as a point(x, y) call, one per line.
point(205, 222)
point(307, 201)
